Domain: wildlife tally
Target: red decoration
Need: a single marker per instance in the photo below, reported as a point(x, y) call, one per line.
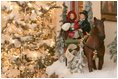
point(71, 34)
point(68, 17)
point(76, 25)
point(84, 33)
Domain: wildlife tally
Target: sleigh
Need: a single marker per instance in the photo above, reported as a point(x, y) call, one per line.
point(73, 50)
point(94, 46)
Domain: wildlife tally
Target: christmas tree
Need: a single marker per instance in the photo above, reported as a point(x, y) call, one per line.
point(61, 34)
point(113, 49)
point(64, 13)
point(88, 8)
point(28, 38)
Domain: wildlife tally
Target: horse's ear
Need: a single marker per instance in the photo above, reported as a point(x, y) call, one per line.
point(95, 19)
point(103, 19)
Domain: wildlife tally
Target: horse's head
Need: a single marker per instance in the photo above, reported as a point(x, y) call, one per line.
point(99, 24)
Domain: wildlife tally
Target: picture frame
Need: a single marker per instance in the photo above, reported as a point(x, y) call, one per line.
point(109, 10)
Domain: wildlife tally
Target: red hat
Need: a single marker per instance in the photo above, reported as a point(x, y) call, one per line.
point(68, 16)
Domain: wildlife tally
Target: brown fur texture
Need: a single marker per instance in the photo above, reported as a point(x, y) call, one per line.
point(95, 42)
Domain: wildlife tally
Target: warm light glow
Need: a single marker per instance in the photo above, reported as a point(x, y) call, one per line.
point(47, 8)
point(29, 4)
point(40, 13)
point(34, 55)
point(11, 7)
point(13, 21)
point(24, 34)
point(16, 7)
point(16, 56)
point(33, 11)
point(52, 43)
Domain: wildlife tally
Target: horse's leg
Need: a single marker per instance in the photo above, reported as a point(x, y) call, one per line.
point(94, 65)
point(100, 63)
point(101, 57)
point(90, 61)
point(89, 56)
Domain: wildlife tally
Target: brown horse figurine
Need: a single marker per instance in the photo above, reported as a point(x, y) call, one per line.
point(95, 42)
